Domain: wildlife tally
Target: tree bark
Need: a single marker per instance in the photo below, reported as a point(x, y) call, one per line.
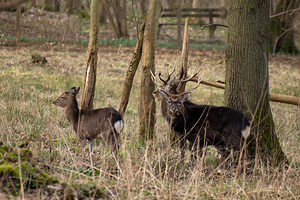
point(184, 57)
point(282, 30)
point(147, 102)
point(91, 64)
point(134, 63)
point(247, 76)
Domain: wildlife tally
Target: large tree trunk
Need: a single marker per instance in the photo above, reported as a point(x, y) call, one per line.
point(247, 76)
point(91, 63)
point(134, 63)
point(147, 102)
point(282, 30)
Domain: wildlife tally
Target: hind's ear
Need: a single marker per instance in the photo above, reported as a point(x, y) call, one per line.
point(74, 91)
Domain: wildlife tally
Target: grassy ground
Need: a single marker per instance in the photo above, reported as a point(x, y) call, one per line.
point(147, 170)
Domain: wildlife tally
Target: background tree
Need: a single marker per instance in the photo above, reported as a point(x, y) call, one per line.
point(247, 79)
point(147, 102)
point(116, 12)
point(179, 28)
point(10, 5)
point(91, 63)
point(282, 27)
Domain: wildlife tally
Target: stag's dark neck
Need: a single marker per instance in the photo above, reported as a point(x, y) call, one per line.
point(71, 113)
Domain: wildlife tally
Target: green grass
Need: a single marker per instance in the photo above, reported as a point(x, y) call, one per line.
point(126, 42)
point(145, 170)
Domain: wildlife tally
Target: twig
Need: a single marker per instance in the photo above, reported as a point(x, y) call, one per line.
point(292, 11)
point(281, 35)
point(209, 25)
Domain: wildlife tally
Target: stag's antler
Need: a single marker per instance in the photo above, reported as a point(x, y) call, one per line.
point(189, 91)
point(168, 78)
point(181, 81)
point(192, 76)
point(154, 80)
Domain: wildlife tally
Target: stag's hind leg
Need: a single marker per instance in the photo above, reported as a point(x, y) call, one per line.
point(198, 151)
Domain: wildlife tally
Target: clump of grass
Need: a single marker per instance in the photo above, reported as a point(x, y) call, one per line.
point(144, 169)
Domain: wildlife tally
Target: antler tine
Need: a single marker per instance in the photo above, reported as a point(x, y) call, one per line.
point(169, 75)
point(198, 83)
point(192, 76)
point(162, 80)
point(154, 80)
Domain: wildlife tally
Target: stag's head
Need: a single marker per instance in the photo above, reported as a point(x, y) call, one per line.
point(175, 101)
point(66, 98)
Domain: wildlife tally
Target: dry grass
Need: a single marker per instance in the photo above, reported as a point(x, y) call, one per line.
point(150, 170)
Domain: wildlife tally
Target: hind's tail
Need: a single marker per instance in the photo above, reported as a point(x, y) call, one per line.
point(118, 126)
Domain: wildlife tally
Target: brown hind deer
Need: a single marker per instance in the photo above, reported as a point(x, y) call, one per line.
point(223, 127)
point(104, 123)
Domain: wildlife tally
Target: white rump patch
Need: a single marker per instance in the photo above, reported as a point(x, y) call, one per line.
point(246, 132)
point(119, 125)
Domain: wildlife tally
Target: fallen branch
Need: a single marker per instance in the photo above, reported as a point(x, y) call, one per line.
point(272, 96)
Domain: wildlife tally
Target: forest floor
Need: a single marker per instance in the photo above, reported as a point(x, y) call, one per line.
point(51, 164)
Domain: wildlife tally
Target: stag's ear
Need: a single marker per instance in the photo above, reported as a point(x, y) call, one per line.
point(185, 97)
point(74, 91)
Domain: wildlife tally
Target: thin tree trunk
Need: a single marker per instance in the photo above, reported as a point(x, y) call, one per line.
point(91, 64)
point(123, 19)
point(134, 63)
point(18, 28)
point(224, 5)
point(247, 75)
point(103, 13)
point(110, 18)
point(117, 17)
point(147, 102)
point(179, 28)
point(184, 57)
point(282, 30)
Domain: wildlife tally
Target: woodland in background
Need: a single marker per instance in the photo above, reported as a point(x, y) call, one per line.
point(124, 17)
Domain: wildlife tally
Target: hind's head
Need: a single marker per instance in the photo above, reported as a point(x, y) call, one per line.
point(66, 98)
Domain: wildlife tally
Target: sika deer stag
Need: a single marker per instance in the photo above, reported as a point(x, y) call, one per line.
point(223, 127)
point(104, 123)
